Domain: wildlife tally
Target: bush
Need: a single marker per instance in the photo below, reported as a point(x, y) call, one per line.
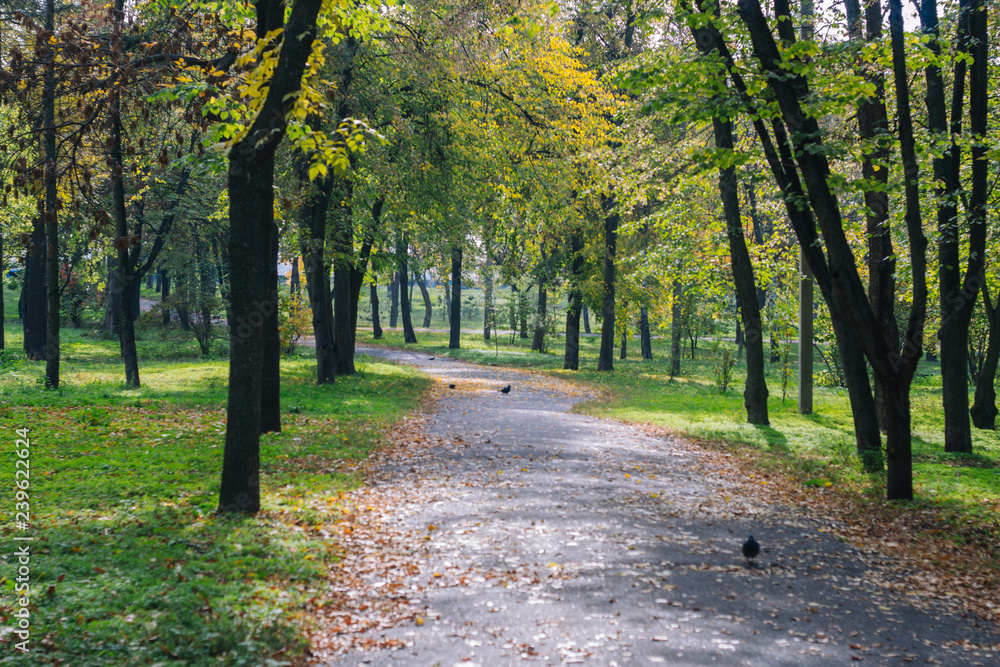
point(294, 320)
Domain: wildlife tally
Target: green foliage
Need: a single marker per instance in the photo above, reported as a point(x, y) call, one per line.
point(723, 361)
point(294, 319)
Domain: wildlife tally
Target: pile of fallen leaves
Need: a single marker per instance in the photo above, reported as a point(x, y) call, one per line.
point(928, 565)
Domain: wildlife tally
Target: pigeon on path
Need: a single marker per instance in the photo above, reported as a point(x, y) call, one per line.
point(751, 549)
point(505, 390)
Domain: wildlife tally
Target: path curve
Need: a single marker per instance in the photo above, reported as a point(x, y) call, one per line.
point(548, 537)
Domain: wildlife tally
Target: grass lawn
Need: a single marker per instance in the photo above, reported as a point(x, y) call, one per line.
point(129, 563)
point(817, 450)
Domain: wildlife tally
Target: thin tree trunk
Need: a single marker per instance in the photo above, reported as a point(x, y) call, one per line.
point(522, 312)
point(123, 274)
point(394, 300)
point(294, 282)
point(343, 268)
point(623, 352)
point(51, 211)
point(675, 330)
point(402, 252)
point(3, 315)
point(270, 388)
point(571, 355)
point(755, 393)
point(538, 339)
point(313, 214)
point(489, 314)
point(428, 311)
point(605, 361)
point(376, 320)
point(586, 320)
point(956, 304)
point(646, 340)
point(455, 313)
point(164, 295)
point(984, 405)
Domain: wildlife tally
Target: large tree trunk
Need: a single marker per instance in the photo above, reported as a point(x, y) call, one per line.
point(538, 339)
point(605, 361)
point(571, 355)
point(51, 211)
point(270, 389)
point(402, 253)
point(376, 321)
point(646, 341)
point(455, 313)
point(251, 216)
point(3, 315)
point(984, 406)
point(755, 393)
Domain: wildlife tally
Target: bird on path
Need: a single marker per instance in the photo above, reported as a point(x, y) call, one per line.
point(431, 358)
point(751, 549)
point(505, 390)
point(451, 386)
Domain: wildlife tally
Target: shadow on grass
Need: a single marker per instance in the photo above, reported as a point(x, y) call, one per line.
point(775, 439)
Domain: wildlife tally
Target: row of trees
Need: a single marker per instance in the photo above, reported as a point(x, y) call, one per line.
point(651, 165)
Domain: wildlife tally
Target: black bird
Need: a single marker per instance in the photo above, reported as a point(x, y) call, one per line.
point(431, 358)
point(505, 390)
point(751, 549)
point(451, 386)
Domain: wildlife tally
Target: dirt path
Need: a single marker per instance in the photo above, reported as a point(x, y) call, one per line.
point(548, 537)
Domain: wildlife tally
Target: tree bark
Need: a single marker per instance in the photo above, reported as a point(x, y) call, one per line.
point(571, 355)
point(755, 392)
point(270, 389)
point(294, 282)
point(376, 321)
point(164, 295)
point(402, 253)
point(538, 338)
point(425, 295)
point(312, 216)
point(394, 300)
point(489, 312)
point(646, 341)
point(455, 312)
point(343, 269)
point(957, 300)
point(605, 361)
point(251, 215)
point(675, 330)
point(586, 320)
point(51, 210)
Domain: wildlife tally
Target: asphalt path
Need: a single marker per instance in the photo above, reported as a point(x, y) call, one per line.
point(549, 537)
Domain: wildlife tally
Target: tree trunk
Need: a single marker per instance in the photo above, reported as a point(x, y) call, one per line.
point(164, 295)
point(571, 355)
point(394, 302)
point(251, 216)
point(294, 282)
point(675, 330)
point(646, 339)
point(3, 315)
point(270, 388)
point(455, 319)
point(755, 393)
point(428, 312)
point(343, 269)
point(586, 320)
point(984, 405)
point(51, 211)
point(956, 304)
point(623, 353)
point(313, 213)
point(522, 312)
point(376, 321)
point(538, 339)
point(402, 253)
point(123, 273)
point(489, 313)
point(605, 361)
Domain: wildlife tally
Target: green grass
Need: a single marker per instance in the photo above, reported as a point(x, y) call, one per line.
point(130, 564)
point(817, 449)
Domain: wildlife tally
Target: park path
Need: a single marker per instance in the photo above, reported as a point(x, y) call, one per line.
point(520, 532)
